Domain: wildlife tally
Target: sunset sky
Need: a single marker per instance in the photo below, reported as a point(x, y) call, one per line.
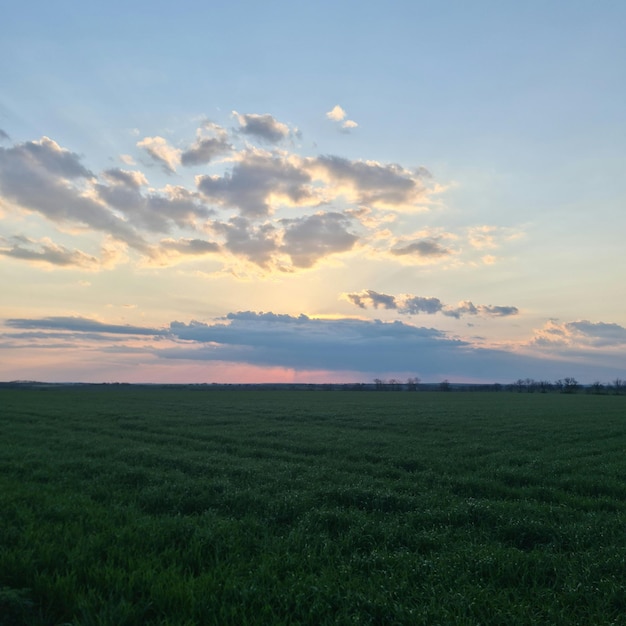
point(312, 192)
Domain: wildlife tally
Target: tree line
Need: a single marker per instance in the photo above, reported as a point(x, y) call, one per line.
point(521, 385)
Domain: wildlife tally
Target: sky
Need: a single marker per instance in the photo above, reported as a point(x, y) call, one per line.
point(312, 192)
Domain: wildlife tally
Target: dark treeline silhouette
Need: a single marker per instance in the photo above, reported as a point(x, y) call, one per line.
point(567, 385)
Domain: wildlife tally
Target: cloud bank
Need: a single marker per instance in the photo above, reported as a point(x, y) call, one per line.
point(368, 347)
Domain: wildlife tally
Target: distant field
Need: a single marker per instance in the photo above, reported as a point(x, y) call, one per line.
point(124, 506)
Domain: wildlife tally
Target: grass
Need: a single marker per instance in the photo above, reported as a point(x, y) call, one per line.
point(182, 507)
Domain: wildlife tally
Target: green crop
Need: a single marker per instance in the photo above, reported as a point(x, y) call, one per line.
point(125, 505)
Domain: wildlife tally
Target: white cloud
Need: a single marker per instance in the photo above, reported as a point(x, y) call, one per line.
point(161, 152)
point(336, 114)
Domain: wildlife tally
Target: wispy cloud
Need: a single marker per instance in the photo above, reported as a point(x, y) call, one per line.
point(82, 324)
point(159, 150)
point(47, 252)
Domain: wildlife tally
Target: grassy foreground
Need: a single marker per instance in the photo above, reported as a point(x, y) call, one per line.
point(123, 506)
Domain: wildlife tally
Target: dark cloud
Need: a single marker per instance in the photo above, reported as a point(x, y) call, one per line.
point(369, 347)
point(82, 324)
point(414, 305)
point(207, 148)
point(204, 151)
point(256, 243)
point(264, 127)
point(301, 342)
point(309, 239)
point(257, 183)
point(486, 310)
point(429, 247)
point(132, 179)
point(372, 298)
point(498, 311)
point(373, 183)
point(46, 252)
point(598, 333)
point(154, 211)
point(194, 247)
point(46, 155)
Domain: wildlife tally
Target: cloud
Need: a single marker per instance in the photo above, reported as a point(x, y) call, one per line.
point(207, 148)
point(580, 333)
point(336, 114)
point(302, 342)
point(4, 136)
point(429, 248)
point(155, 211)
point(486, 310)
point(46, 251)
point(369, 182)
point(48, 156)
point(127, 159)
point(255, 243)
point(253, 184)
point(371, 348)
point(488, 237)
point(308, 239)
point(414, 305)
point(264, 127)
point(161, 152)
point(259, 182)
point(43, 177)
point(190, 246)
point(372, 298)
point(133, 179)
point(82, 324)
point(170, 251)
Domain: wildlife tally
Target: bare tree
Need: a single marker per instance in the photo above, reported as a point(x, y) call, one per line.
point(597, 387)
point(570, 385)
point(413, 383)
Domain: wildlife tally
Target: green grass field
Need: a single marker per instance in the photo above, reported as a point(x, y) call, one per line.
point(125, 505)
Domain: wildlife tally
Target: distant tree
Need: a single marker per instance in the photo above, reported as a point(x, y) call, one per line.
point(380, 384)
point(559, 385)
point(531, 385)
point(519, 385)
point(618, 386)
point(394, 384)
point(444, 385)
point(412, 383)
point(597, 387)
point(570, 385)
point(544, 386)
